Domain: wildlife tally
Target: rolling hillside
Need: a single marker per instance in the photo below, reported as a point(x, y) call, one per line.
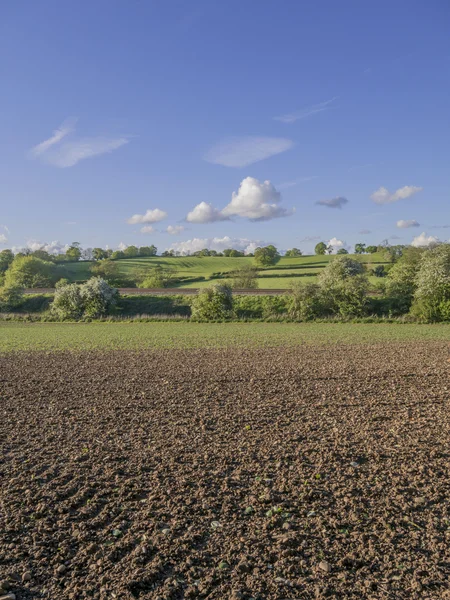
point(200, 270)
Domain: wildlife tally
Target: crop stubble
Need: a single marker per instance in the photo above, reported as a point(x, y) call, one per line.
point(306, 472)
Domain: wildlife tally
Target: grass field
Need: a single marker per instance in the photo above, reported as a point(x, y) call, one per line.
point(138, 336)
point(303, 269)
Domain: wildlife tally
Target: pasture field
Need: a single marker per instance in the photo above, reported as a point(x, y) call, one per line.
point(20, 336)
point(160, 468)
point(197, 267)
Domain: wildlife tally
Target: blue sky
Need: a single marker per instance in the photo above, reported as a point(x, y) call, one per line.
point(173, 105)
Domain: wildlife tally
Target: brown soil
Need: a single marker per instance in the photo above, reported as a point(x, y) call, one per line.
point(265, 474)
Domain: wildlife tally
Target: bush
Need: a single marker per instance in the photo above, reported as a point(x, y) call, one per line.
point(213, 304)
point(245, 278)
point(92, 299)
point(30, 272)
point(11, 296)
point(344, 287)
point(67, 303)
point(98, 297)
point(305, 302)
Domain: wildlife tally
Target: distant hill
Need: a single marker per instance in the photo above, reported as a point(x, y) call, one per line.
point(202, 271)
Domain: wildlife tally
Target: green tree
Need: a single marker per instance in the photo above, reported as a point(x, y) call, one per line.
point(6, 258)
point(344, 286)
point(236, 254)
point(293, 253)
point(305, 302)
point(432, 294)
point(245, 278)
point(360, 248)
point(342, 251)
point(99, 254)
point(11, 296)
point(30, 272)
point(214, 303)
point(117, 255)
point(131, 252)
point(401, 281)
point(109, 270)
point(266, 256)
point(148, 250)
point(73, 253)
point(371, 249)
point(321, 248)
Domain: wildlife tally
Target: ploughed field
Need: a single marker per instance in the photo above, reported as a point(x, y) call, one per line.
point(304, 472)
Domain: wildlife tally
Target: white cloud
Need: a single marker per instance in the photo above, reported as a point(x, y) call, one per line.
point(147, 229)
point(57, 153)
point(63, 130)
point(205, 213)
point(151, 216)
point(175, 229)
point(256, 201)
point(244, 151)
point(3, 238)
point(383, 196)
point(424, 240)
point(337, 202)
point(337, 244)
point(54, 247)
point(219, 244)
point(306, 112)
point(122, 246)
point(406, 224)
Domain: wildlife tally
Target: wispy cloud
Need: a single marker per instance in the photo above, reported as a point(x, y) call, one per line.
point(289, 184)
point(244, 151)
point(360, 167)
point(384, 196)
point(3, 238)
point(58, 153)
point(337, 202)
point(63, 130)
point(306, 112)
point(310, 238)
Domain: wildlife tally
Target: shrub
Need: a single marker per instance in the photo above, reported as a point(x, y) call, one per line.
point(344, 287)
point(432, 294)
point(98, 297)
point(245, 278)
point(67, 303)
point(305, 302)
point(380, 271)
point(92, 299)
point(30, 272)
point(213, 304)
point(11, 296)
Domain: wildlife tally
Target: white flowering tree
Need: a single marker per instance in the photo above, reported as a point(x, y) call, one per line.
point(432, 295)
